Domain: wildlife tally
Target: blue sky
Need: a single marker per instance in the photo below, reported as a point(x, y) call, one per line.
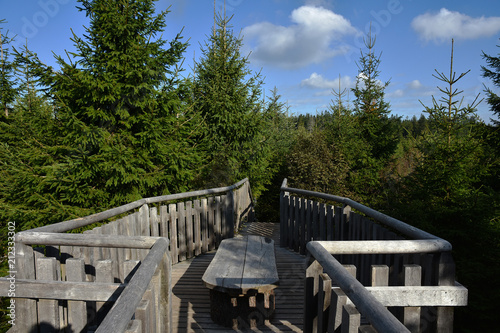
point(303, 46)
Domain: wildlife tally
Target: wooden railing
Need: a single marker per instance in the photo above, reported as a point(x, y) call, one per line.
point(117, 276)
point(368, 271)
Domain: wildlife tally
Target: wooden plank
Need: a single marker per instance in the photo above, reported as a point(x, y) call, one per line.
point(412, 275)
point(205, 239)
point(322, 221)
point(198, 211)
point(77, 310)
point(104, 274)
point(351, 319)
point(48, 310)
point(189, 229)
point(259, 272)
point(181, 230)
point(174, 247)
point(296, 225)
point(311, 288)
point(154, 222)
point(324, 298)
point(88, 239)
point(303, 225)
point(71, 291)
point(211, 223)
point(217, 221)
point(401, 296)
point(330, 227)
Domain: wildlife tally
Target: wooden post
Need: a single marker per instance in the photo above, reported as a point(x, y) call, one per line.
point(104, 273)
point(351, 319)
point(311, 287)
point(205, 239)
point(412, 277)
point(324, 299)
point(198, 211)
point(77, 310)
point(25, 269)
point(189, 229)
point(181, 230)
point(174, 249)
point(48, 310)
point(446, 277)
point(230, 211)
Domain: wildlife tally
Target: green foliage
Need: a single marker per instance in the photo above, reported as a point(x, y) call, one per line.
point(492, 71)
point(316, 165)
point(7, 69)
point(228, 96)
point(119, 127)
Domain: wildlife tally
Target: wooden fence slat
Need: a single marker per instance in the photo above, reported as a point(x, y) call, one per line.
point(189, 229)
point(303, 225)
point(211, 223)
point(324, 298)
point(174, 243)
point(77, 310)
point(351, 319)
point(154, 221)
point(411, 316)
point(311, 287)
point(205, 239)
point(330, 227)
point(197, 226)
point(181, 230)
point(48, 310)
point(104, 274)
point(322, 221)
point(217, 221)
point(296, 225)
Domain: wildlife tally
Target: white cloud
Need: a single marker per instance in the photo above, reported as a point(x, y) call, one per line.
point(415, 84)
point(314, 35)
point(446, 24)
point(317, 81)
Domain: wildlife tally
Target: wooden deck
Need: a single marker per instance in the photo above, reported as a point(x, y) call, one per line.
point(191, 312)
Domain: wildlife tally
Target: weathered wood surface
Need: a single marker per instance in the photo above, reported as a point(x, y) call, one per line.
point(243, 264)
point(191, 298)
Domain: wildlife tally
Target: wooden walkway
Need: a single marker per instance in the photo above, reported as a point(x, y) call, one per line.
point(191, 312)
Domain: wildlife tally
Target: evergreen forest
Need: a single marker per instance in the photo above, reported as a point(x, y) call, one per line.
point(121, 119)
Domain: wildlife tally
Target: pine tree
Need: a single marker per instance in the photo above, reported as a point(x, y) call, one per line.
point(125, 131)
point(228, 95)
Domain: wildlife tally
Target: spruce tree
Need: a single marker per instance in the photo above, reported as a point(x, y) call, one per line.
point(492, 72)
point(7, 69)
point(377, 132)
point(119, 102)
point(228, 95)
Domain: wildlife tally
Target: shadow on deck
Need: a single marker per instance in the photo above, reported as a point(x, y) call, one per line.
point(191, 310)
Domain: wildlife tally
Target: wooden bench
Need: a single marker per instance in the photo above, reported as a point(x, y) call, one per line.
point(242, 278)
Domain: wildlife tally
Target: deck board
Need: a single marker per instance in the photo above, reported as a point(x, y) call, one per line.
point(191, 311)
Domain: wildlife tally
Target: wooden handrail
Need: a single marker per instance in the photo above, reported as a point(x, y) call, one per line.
point(87, 220)
point(378, 315)
point(86, 240)
point(392, 222)
point(385, 246)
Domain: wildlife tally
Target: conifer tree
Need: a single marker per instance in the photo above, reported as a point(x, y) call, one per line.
point(124, 129)
point(492, 71)
point(228, 95)
point(7, 69)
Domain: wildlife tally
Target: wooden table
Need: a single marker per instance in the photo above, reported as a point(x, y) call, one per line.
point(242, 278)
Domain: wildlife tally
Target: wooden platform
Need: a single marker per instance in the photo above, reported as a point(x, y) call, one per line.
point(191, 311)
